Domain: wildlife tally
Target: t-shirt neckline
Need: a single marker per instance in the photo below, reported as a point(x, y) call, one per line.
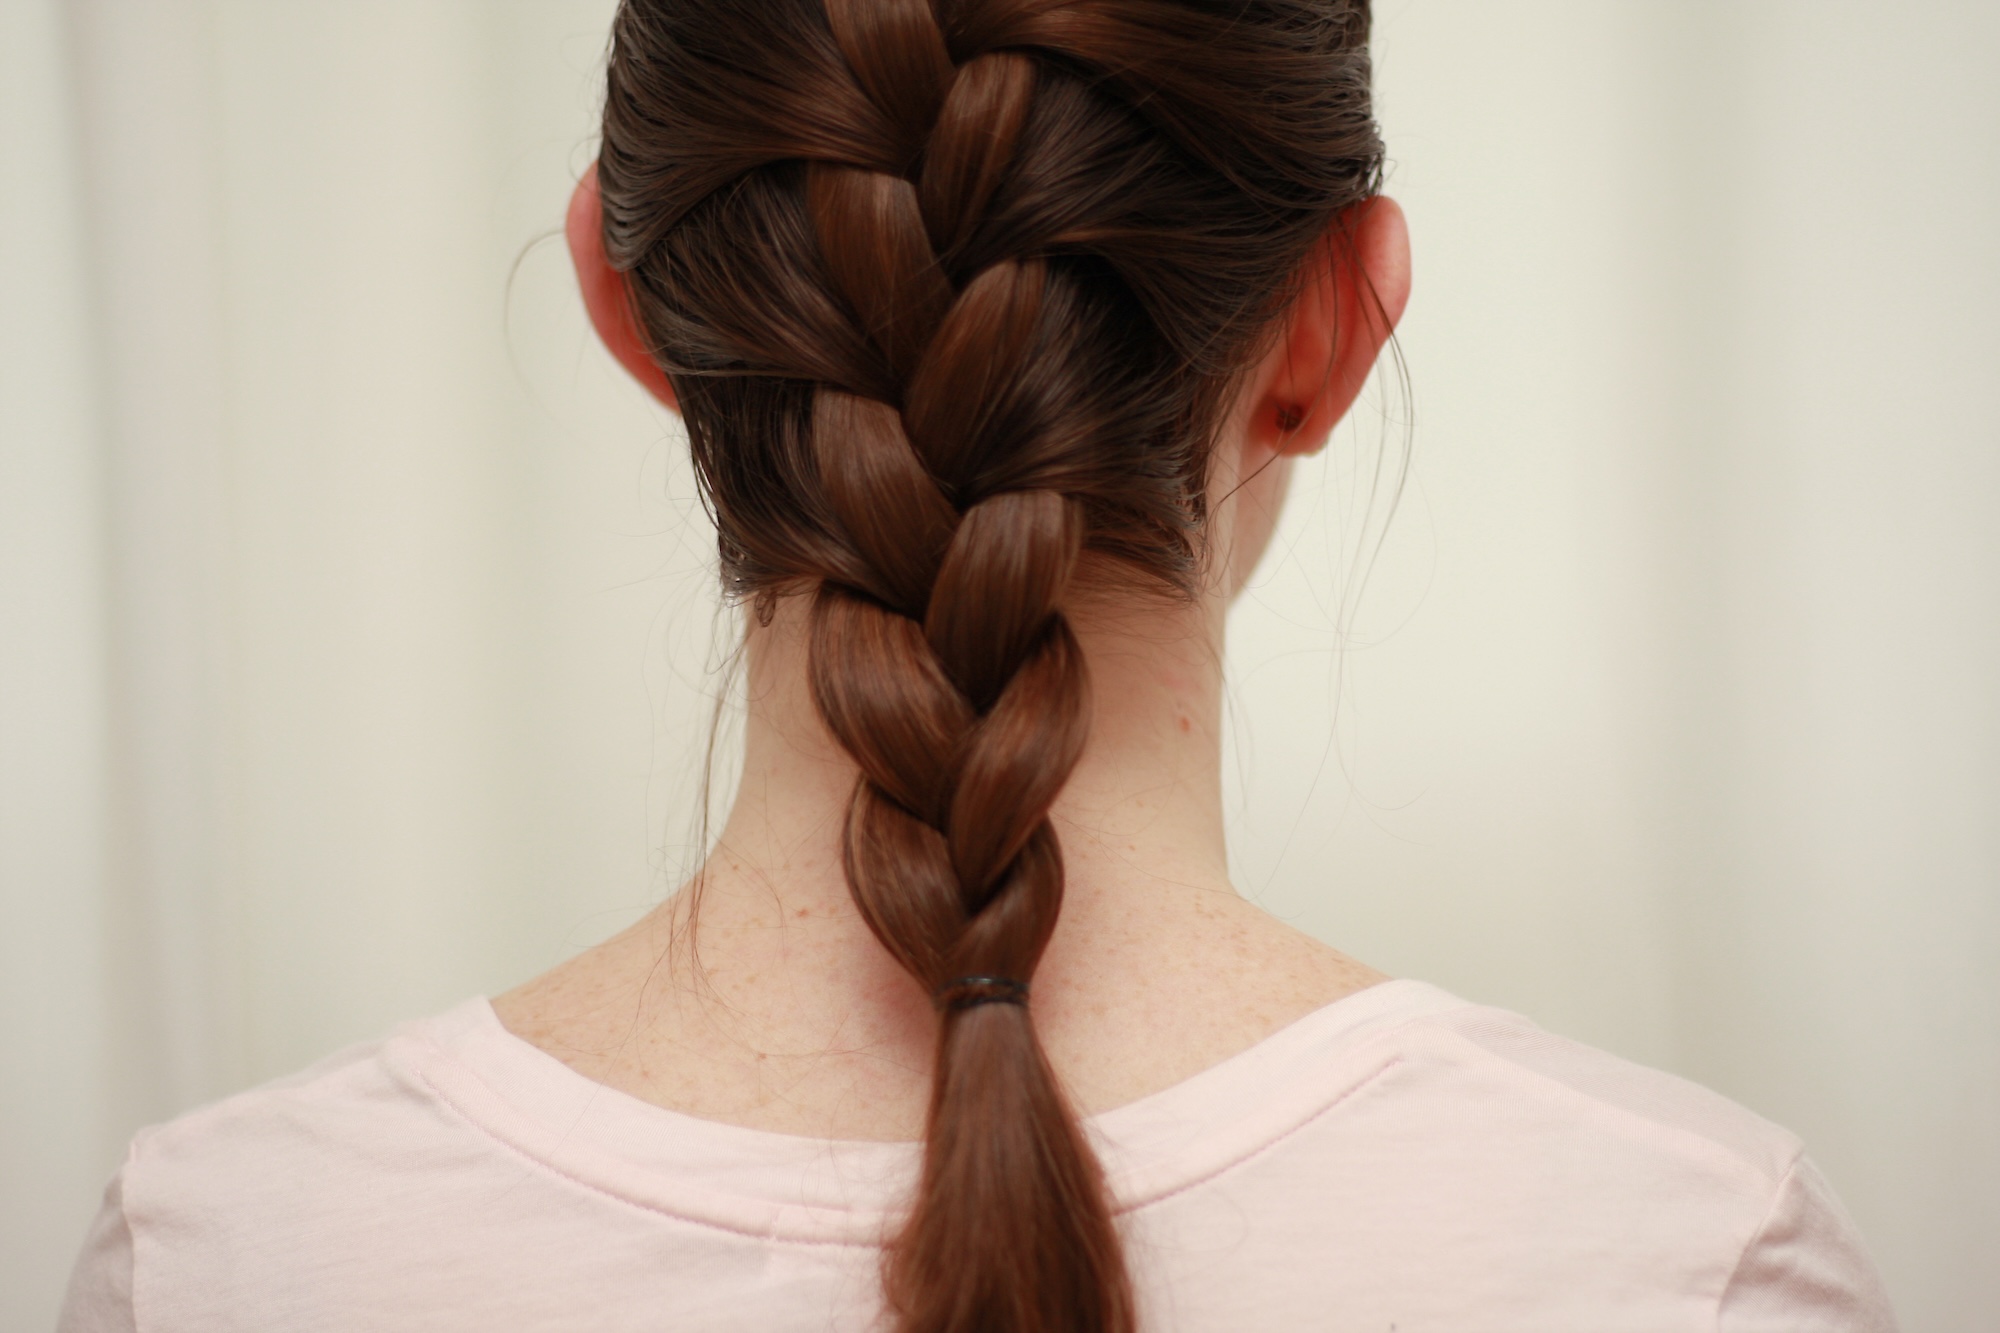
point(788, 1186)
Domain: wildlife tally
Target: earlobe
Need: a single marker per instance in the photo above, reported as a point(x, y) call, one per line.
point(604, 293)
point(1347, 308)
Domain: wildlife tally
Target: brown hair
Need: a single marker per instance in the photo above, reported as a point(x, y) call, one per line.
point(952, 294)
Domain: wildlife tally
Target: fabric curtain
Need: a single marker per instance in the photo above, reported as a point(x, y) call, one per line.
point(361, 648)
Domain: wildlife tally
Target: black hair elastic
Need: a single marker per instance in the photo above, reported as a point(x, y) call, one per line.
point(970, 992)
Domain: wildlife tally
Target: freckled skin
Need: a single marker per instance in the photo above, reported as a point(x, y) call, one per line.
point(795, 1020)
point(780, 1011)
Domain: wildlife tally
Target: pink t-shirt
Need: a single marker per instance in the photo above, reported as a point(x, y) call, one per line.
point(1398, 1160)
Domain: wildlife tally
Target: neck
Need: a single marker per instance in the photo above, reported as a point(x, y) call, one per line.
point(787, 1014)
point(1142, 807)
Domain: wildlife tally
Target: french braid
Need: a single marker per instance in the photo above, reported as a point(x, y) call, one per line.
point(952, 294)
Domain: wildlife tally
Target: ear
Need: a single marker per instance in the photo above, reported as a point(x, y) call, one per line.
point(604, 291)
point(1353, 293)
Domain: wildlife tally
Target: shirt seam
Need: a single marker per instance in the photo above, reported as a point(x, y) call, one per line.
point(1756, 1234)
point(592, 1187)
point(1707, 1146)
point(1260, 1149)
point(1128, 1209)
point(127, 1171)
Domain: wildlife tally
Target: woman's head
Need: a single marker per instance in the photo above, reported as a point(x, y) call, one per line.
point(960, 299)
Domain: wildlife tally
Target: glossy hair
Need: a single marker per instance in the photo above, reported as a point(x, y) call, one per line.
point(953, 294)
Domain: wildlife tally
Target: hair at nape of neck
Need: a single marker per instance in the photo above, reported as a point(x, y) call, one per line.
point(951, 295)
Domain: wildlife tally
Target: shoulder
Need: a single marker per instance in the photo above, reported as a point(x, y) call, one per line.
point(1552, 1083)
point(1493, 1175)
point(361, 1102)
point(281, 1179)
point(1635, 1166)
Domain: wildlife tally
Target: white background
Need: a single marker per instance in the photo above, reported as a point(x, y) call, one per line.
point(355, 625)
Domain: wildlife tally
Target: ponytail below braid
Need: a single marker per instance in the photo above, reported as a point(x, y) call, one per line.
point(951, 294)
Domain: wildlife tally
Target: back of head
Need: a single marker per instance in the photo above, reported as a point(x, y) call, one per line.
point(952, 294)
